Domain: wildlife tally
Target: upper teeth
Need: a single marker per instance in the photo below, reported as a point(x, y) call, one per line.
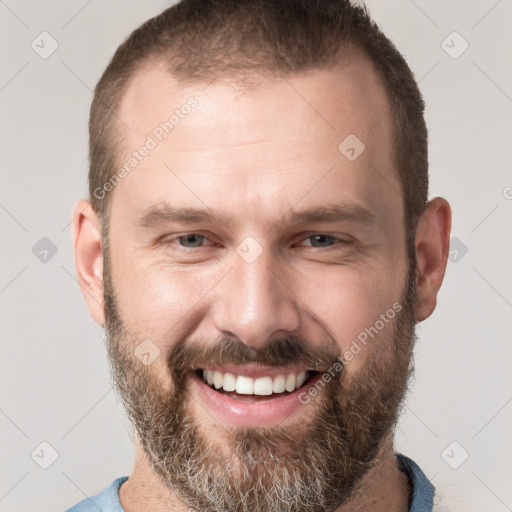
point(260, 386)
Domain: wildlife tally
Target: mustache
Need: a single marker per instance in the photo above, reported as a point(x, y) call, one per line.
point(284, 352)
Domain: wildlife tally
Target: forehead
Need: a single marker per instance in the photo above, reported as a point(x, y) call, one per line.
point(344, 95)
point(269, 133)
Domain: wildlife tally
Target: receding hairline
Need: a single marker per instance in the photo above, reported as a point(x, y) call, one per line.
point(240, 79)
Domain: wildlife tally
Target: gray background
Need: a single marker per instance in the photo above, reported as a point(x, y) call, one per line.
point(55, 387)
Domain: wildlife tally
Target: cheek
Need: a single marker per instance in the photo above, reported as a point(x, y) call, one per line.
point(161, 305)
point(358, 308)
point(156, 301)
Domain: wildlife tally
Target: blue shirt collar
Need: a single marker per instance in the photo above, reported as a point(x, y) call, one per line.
point(422, 490)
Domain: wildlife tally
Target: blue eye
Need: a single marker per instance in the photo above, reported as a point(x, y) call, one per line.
point(322, 240)
point(191, 240)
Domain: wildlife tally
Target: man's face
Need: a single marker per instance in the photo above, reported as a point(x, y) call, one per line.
point(295, 249)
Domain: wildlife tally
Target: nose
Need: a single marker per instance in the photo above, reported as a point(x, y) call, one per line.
point(255, 302)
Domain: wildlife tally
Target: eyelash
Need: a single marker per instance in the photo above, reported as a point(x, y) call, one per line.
point(337, 241)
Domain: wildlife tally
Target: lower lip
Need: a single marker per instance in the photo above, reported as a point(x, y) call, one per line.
point(246, 414)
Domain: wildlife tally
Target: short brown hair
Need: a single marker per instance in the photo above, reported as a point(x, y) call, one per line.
point(202, 39)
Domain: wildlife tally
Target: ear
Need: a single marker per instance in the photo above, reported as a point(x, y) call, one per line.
point(432, 249)
point(89, 257)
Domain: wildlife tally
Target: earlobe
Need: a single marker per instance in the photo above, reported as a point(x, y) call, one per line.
point(88, 252)
point(432, 249)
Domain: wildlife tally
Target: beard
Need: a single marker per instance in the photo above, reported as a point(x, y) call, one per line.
point(312, 467)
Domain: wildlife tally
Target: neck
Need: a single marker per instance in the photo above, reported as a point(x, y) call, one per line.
point(383, 489)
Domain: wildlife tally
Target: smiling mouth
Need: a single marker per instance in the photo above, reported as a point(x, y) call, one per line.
point(251, 389)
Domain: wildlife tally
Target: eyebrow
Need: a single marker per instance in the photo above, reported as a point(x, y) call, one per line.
point(164, 213)
point(332, 213)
